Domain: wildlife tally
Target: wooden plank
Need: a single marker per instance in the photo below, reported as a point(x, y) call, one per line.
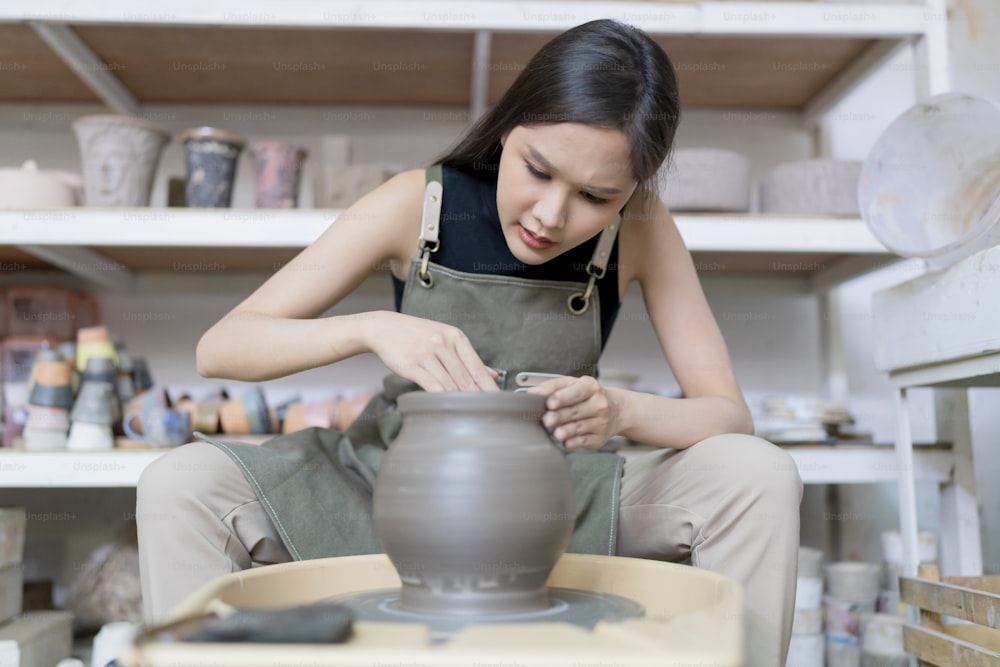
point(717, 72)
point(989, 583)
point(287, 66)
point(32, 72)
point(943, 650)
point(930, 619)
point(964, 603)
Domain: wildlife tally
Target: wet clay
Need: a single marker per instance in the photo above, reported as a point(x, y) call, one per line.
point(473, 503)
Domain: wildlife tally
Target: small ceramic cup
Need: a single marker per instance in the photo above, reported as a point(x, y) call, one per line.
point(277, 169)
point(259, 417)
point(47, 418)
point(204, 414)
point(95, 404)
point(44, 439)
point(151, 398)
point(85, 436)
point(299, 416)
point(141, 377)
point(210, 159)
point(160, 427)
point(53, 385)
point(233, 417)
point(93, 342)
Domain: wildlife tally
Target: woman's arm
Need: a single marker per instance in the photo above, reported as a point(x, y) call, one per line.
point(274, 332)
point(584, 415)
point(690, 339)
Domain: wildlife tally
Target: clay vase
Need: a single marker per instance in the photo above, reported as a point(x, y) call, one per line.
point(210, 156)
point(473, 503)
point(277, 170)
point(120, 155)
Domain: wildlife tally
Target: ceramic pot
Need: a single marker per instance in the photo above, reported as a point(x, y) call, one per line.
point(120, 155)
point(277, 170)
point(473, 503)
point(29, 187)
point(210, 156)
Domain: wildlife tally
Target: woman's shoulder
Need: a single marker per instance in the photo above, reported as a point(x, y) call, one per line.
point(648, 234)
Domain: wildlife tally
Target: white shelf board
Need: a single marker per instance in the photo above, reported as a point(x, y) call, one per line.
point(107, 469)
point(268, 228)
point(674, 18)
point(121, 468)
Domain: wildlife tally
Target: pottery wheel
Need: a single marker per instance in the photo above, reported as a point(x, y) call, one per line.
point(566, 605)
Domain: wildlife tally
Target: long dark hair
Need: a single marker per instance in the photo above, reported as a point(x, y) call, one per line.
point(602, 73)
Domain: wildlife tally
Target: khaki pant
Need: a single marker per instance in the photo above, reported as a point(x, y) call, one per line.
point(729, 504)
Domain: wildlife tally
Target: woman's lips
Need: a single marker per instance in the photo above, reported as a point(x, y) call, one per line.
point(533, 240)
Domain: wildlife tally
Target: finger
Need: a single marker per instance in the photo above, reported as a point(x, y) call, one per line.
point(453, 365)
point(434, 368)
point(578, 391)
point(424, 380)
point(549, 387)
point(483, 377)
point(590, 442)
point(579, 428)
point(595, 407)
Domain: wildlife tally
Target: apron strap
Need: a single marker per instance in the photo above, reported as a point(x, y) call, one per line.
point(597, 266)
point(430, 223)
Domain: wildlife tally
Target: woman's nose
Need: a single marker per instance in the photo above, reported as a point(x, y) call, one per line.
point(550, 209)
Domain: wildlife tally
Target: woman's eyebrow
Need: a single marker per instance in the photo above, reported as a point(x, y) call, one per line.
point(548, 167)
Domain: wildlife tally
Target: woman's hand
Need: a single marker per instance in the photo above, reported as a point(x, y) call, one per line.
point(436, 356)
point(581, 413)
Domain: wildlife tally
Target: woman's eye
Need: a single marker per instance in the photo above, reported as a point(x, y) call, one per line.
point(594, 200)
point(534, 172)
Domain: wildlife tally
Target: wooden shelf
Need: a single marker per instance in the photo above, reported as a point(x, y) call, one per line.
point(110, 246)
point(728, 55)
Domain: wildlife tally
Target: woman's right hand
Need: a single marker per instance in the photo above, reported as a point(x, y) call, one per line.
point(436, 356)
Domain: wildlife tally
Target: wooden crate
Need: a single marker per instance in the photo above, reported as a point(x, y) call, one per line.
point(975, 599)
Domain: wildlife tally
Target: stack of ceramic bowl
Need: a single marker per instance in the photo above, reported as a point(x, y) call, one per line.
point(852, 589)
point(812, 187)
point(892, 565)
point(806, 646)
point(93, 417)
point(706, 179)
point(49, 402)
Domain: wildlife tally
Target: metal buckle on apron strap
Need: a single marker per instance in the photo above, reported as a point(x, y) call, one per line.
point(528, 379)
point(596, 268)
point(429, 224)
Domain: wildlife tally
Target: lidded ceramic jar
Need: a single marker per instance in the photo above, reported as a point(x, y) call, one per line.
point(473, 503)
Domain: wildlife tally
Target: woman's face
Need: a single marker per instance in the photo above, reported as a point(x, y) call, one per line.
point(560, 185)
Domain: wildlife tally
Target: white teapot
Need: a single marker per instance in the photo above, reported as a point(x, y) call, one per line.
point(27, 187)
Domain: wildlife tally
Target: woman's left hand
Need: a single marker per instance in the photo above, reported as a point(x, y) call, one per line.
point(580, 413)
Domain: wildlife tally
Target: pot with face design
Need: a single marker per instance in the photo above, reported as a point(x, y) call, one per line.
point(473, 503)
point(120, 155)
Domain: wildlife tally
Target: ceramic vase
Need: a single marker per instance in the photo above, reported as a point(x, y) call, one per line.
point(473, 503)
point(277, 171)
point(210, 158)
point(120, 155)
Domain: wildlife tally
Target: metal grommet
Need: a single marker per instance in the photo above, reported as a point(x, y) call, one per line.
point(579, 296)
point(425, 280)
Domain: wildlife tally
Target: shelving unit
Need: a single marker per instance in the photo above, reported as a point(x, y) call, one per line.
point(739, 57)
point(444, 52)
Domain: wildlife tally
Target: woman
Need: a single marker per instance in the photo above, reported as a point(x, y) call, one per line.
point(519, 274)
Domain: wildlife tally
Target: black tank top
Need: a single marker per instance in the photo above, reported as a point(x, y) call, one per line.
point(472, 241)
